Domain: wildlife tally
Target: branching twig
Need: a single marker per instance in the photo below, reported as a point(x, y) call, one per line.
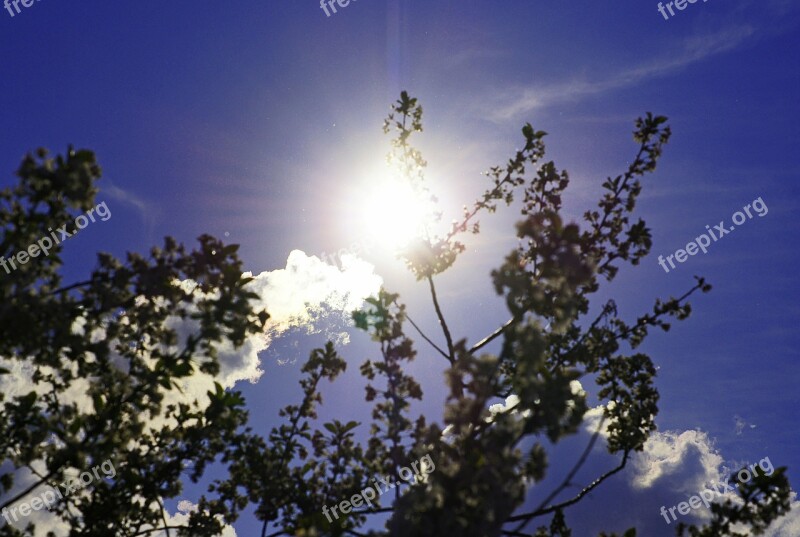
point(575, 469)
point(442, 322)
point(426, 338)
point(527, 517)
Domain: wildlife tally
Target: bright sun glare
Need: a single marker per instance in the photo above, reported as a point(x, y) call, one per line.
point(394, 212)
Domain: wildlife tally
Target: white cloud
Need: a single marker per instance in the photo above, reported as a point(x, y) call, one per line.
point(308, 289)
point(185, 508)
point(501, 408)
point(684, 464)
point(672, 467)
point(307, 293)
point(741, 425)
point(684, 461)
point(788, 526)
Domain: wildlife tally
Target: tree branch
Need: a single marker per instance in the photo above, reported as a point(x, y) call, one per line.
point(426, 338)
point(494, 335)
point(151, 530)
point(526, 518)
point(606, 310)
point(27, 491)
point(442, 322)
point(575, 469)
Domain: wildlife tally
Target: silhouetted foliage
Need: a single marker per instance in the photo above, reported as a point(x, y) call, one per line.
point(486, 462)
point(116, 332)
point(111, 336)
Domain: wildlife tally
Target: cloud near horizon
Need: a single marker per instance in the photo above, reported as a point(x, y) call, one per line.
point(307, 294)
point(672, 467)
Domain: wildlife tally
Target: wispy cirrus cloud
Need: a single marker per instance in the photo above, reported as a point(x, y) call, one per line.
point(693, 50)
point(147, 210)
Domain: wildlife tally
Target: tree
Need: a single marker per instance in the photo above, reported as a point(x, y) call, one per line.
point(485, 461)
point(114, 335)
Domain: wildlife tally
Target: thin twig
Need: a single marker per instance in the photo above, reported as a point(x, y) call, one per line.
point(151, 530)
point(606, 310)
point(571, 475)
point(25, 492)
point(494, 335)
point(442, 322)
point(526, 518)
point(426, 338)
point(70, 287)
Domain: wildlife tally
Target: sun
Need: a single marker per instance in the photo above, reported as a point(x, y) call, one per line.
point(393, 211)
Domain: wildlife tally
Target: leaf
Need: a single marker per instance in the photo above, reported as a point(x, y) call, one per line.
point(350, 426)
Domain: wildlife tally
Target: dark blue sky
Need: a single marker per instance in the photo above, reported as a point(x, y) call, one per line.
point(257, 121)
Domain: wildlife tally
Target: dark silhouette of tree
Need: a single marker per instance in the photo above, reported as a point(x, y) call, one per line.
point(128, 353)
point(485, 461)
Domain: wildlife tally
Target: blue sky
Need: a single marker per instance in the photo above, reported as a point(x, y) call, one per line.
point(260, 122)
